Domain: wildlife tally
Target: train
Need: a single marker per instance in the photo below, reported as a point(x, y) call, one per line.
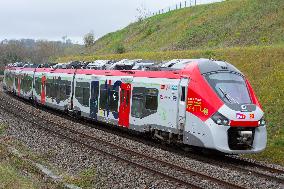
point(201, 103)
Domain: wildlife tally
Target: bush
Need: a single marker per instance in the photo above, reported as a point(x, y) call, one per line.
point(119, 49)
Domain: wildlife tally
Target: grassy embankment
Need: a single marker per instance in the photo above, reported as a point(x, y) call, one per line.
point(264, 67)
point(220, 25)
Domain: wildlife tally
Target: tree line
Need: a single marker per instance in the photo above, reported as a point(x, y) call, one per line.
point(35, 51)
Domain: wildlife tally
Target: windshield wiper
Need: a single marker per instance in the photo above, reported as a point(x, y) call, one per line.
point(228, 97)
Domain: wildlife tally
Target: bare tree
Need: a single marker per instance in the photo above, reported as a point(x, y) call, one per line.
point(142, 13)
point(89, 39)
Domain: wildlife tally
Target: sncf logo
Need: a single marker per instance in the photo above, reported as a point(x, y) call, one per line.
point(241, 116)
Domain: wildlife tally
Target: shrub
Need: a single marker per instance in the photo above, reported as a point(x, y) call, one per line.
point(119, 49)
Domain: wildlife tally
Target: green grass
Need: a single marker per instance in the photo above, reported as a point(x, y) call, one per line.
point(11, 178)
point(263, 66)
point(85, 179)
point(16, 174)
point(230, 23)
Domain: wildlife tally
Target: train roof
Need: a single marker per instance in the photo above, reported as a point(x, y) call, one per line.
point(176, 68)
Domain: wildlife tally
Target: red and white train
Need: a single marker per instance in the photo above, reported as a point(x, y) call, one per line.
point(197, 102)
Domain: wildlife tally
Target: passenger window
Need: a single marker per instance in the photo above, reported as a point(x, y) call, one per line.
point(127, 97)
point(182, 98)
point(151, 102)
point(144, 101)
point(103, 97)
point(47, 86)
point(137, 107)
point(68, 90)
point(86, 96)
point(122, 96)
point(82, 93)
point(113, 101)
point(79, 92)
point(62, 92)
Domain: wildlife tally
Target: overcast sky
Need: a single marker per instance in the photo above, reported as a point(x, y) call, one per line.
point(53, 19)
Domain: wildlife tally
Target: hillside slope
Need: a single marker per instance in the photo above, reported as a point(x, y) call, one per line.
point(227, 24)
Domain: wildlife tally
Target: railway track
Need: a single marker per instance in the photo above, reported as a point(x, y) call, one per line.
point(177, 174)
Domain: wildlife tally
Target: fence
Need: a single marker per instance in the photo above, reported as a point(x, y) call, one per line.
point(180, 5)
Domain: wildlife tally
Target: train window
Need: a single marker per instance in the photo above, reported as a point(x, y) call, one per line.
point(47, 86)
point(68, 90)
point(79, 92)
point(122, 96)
point(57, 91)
point(144, 101)
point(113, 101)
point(103, 97)
point(52, 90)
point(82, 93)
point(137, 106)
point(151, 99)
point(182, 98)
point(151, 102)
point(62, 92)
point(127, 97)
point(38, 86)
point(86, 96)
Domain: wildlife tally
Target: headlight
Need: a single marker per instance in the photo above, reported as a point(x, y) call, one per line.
point(220, 119)
point(261, 122)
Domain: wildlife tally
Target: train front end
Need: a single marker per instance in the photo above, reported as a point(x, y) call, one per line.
point(223, 112)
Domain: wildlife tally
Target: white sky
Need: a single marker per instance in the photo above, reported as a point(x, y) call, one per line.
point(52, 19)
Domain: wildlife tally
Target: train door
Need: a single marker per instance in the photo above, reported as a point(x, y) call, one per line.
point(94, 99)
point(124, 108)
point(43, 82)
point(182, 102)
point(19, 83)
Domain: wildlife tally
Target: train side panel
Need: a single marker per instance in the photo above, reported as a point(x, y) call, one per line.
point(154, 104)
point(26, 83)
point(53, 89)
point(9, 78)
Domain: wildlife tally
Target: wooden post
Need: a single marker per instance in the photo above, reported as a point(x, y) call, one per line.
point(180, 5)
point(195, 2)
point(185, 4)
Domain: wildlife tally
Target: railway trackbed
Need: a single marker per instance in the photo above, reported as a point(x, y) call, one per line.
point(177, 174)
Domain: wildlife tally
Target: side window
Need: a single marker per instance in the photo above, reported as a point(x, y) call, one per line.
point(38, 85)
point(82, 93)
point(152, 100)
point(103, 97)
point(109, 98)
point(62, 92)
point(113, 101)
point(47, 87)
point(68, 90)
point(137, 106)
point(144, 102)
point(86, 96)
point(52, 90)
point(182, 98)
point(78, 92)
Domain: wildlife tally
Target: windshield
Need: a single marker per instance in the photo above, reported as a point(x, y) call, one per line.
point(230, 87)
